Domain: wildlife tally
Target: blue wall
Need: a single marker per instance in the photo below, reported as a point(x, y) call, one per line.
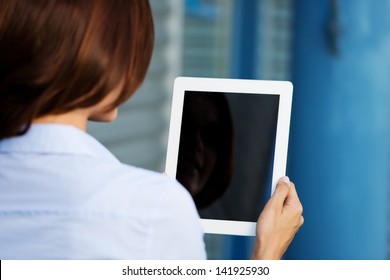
point(339, 145)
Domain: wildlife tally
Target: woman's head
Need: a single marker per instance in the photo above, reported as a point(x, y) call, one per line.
point(205, 157)
point(57, 56)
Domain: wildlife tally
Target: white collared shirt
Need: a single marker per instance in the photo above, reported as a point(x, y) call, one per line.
point(64, 196)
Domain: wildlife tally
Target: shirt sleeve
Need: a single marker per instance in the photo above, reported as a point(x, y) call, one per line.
point(176, 231)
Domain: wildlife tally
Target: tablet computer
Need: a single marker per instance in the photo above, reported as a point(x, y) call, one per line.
point(227, 146)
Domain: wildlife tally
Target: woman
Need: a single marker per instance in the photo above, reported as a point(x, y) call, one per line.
point(62, 194)
point(205, 159)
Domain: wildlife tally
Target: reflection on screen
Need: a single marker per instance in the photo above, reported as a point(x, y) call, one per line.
point(226, 152)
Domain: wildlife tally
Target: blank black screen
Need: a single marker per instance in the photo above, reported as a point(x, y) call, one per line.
point(226, 151)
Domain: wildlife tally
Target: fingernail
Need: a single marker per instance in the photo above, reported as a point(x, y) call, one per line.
point(285, 179)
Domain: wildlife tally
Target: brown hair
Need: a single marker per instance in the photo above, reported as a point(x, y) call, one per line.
point(61, 55)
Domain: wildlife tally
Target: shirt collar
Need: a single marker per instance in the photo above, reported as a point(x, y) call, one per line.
point(56, 139)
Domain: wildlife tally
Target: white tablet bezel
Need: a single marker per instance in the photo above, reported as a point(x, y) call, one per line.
point(281, 88)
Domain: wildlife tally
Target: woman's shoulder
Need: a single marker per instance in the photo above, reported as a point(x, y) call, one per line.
point(152, 180)
point(138, 188)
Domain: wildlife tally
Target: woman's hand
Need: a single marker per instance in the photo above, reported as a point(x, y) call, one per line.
point(278, 222)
